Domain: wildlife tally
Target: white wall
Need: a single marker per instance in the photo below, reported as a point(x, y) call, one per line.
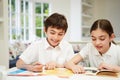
point(113, 14)
point(75, 16)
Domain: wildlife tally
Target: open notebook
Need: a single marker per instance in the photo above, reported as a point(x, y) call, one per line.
point(104, 72)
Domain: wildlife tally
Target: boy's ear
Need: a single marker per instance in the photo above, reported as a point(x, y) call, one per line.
point(44, 29)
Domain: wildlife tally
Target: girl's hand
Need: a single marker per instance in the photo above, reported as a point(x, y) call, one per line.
point(50, 65)
point(105, 66)
point(77, 69)
point(113, 68)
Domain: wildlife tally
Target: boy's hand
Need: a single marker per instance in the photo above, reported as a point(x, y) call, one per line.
point(51, 65)
point(36, 67)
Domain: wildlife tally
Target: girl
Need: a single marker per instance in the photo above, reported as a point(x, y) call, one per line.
point(102, 53)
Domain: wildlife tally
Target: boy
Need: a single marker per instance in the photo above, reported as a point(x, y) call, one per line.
point(51, 52)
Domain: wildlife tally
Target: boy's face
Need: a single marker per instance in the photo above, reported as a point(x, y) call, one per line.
point(101, 40)
point(54, 35)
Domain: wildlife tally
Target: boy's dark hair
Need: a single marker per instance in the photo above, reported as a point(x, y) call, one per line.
point(56, 20)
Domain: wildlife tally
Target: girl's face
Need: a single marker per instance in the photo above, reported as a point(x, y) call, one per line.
point(101, 40)
point(54, 35)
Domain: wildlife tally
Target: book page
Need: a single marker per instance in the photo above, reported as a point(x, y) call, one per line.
point(107, 73)
point(90, 70)
point(104, 72)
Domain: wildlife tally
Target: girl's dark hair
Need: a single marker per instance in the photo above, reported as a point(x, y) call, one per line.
point(56, 21)
point(103, 24)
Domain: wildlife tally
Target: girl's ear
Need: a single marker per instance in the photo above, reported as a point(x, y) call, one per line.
point(112, 36)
